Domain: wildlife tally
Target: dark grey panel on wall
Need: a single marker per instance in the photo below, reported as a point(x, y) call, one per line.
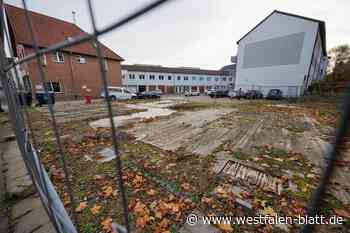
point(285, 50)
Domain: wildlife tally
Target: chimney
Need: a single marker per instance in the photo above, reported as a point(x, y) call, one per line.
point(74, 17)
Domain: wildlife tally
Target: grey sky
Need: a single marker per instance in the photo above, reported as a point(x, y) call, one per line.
point(196, 33)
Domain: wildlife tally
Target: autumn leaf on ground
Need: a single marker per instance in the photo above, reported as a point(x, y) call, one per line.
point(142, 213)
point(186, 187)
point(151, 192)
point(57, 173)
point(138, 181)
point(268, 211)
point(207, 200)
point(342, 213)
point(107, 191)
point(225, 227)
point(107, 225)
point(81, 207)
point(162, 226)
point(95, 210)
point(142, 221)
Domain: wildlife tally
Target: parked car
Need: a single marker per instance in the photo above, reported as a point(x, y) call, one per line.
point(207, 92)
point(232, 94)
point(119, 93)
point(192, 93)
point(218, 94)
point(148, 95)
point(254, 94)
point(274, 94)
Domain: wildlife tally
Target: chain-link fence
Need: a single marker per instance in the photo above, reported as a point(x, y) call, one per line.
point(22, 122)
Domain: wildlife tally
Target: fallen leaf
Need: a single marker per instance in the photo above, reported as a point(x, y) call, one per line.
point(207, 200)
point(138, 181)
point(81, 207)
point(342, 213)
point(107, 191)
point(186, 187)
point(151, 192)
point(107, 225)
point(268, 211)
point(225, 227)
point(142, 221)
point(95, 210)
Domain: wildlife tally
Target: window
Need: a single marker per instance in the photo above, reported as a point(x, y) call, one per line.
point(142, 77)
point(224, 79)
point(194, 78)
point(230, 79)
point(161, 77)
point(179, 78)
point(201, 79)
point(27, 83)
point(43, 60)
point(58, 57)
point(169, 77)
point(81, 59)
point(151, 77)
point(185, 78)
point(208, 79)
point(131, 76)
point(123, 76)
point(54, 87)
point(216, 79)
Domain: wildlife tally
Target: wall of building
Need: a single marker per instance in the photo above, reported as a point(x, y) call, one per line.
point(171, 83)
point(288, 71)
point(72, 75)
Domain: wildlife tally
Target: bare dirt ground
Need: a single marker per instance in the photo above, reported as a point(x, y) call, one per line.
point(217, 157)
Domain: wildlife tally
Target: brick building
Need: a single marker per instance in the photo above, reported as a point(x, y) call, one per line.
point(68, 71)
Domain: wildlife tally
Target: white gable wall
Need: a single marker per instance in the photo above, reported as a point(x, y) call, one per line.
point(283, 77)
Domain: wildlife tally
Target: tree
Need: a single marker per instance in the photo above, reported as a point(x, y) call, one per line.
point(339, 66)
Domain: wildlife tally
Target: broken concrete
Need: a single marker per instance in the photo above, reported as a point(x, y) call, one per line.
point(26, 211)
point(150, 111)
point(189, 131)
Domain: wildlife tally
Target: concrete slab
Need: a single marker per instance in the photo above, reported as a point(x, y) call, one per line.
point(17, 177)
point(190, 131)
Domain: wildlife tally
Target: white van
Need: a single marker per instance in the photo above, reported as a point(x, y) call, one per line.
point(119, 93)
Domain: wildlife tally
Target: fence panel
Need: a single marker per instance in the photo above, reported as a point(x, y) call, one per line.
point(21, 122)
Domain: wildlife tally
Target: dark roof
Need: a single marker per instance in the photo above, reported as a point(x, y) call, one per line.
point(48, 31)
point(322, 27)
point(229, 67)
point(177, 70)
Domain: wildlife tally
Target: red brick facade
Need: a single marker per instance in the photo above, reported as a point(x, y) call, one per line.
point(70, 73)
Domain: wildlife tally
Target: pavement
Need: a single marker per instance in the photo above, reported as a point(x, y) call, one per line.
point(21, 211)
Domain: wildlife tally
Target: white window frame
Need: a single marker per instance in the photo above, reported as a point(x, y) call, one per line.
point(43, 60)
point(81, 59)
point(51, 89)
point(57, 57)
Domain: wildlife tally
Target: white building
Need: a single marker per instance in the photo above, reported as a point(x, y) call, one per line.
point(174, 79)
point(284, 51)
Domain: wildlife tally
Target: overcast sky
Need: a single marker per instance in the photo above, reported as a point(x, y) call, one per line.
point(195, 33)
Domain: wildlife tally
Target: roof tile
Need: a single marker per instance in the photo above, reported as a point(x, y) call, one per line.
point(49, 30)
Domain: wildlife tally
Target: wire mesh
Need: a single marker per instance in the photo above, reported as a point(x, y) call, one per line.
point(21, 122)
